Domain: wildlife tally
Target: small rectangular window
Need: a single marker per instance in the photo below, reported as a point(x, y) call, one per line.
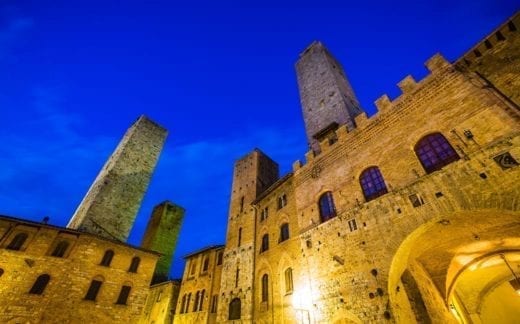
point(282, 201)
point(416, 200)
point(352, 225)
point(511, 26)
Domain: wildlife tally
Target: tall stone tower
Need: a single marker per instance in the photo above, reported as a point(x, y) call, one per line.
point(327, 98)
point(252, 175)
point(112, 202)
point(161, 236)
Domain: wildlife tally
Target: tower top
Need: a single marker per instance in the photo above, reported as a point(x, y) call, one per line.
point(327, 98)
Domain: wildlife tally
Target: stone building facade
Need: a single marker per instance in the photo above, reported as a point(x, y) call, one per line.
point(51, 274)
point(198, 297)
point(161, 303)
point(409, 215)
point(86, 272)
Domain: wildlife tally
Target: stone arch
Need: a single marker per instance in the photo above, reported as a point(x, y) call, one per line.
point(426, 262)
point(282, 217)
point(343, 316)
point(284, 263)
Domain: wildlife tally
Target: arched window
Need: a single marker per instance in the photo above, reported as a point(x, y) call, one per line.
point(326, 206)
point(284, 232)
point(434, 152)
point(205, 265)
point(214, 303)
point(196, 302)
point(40, 284)
point(234, 309)
point(123, 295)
point(288, 281)
point(93, 290)
point(107, 258)
point(265, 287)
point(60, 249)
point(1, 272)
point(372, 183)
point(219, 258)
point(134, 264)
point(265, 243)
point(202, 299)
point(193, 267)
point(239, 236)
point(183, 304)
point(187, 309)
point(17, 242)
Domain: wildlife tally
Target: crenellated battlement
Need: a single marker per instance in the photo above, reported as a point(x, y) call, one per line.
point(437, 65)
point(495, 39)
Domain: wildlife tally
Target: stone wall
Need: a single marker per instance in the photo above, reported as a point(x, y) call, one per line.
point(111, 204)
point(325, 93)
point(253, 174)
point(161, 236)
point(196, 280)
point(63, 300)
point(161, 303)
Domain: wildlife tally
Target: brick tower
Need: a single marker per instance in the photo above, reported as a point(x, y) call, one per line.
point(252, 175)
point(327, 98)
point(112, 202)
point(161, 236)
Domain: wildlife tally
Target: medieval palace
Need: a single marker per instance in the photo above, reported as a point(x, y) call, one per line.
point(411, 215)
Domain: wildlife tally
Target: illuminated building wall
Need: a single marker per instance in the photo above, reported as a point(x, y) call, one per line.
point(410, 215)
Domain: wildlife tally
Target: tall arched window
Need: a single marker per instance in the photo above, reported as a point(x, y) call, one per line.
point(205, 265)
point(434, 152)
point(40, 284)
point(284, 232)
point(187, 309)
point(17, 242)
point(134, 264)
point(326, 207)
point(123, 295)
point(234, 309)
point(183, 304)
point(265, 243)
point(196, 302)
point(265, 287)
point(60, 249)
point(107, 258)
point(288, 281)
point(203, 292)
point(94, 288)
point(372, 183)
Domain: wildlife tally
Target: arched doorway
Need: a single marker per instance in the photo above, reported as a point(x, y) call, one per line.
point(449, 270)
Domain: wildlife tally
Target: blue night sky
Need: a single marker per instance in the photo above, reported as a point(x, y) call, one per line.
point(219, 75)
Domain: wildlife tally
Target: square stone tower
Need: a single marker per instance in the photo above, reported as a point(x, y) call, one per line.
point(327, 98)
point(111, 204)
point(161, 236)
point(252, 175)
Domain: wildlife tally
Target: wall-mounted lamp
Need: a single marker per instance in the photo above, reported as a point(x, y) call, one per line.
point(468, 134)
